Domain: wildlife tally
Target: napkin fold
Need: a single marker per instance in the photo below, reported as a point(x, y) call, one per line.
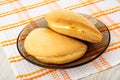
point(16, 14)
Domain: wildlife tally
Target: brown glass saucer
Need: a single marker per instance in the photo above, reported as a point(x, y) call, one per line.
point(93, 52)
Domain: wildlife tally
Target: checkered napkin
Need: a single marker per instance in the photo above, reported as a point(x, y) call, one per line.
point(16, 14)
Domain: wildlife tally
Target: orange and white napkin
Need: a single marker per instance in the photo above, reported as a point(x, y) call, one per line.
point(16, 14)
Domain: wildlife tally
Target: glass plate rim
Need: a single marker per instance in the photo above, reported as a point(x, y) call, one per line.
point(67, 66)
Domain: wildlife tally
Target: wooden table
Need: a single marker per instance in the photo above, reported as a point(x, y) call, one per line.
point(7, 74)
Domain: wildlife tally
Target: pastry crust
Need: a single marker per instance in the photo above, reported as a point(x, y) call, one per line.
point(51, 47)
point(72, 24)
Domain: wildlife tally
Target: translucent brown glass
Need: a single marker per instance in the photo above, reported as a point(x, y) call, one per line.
point(93, 52)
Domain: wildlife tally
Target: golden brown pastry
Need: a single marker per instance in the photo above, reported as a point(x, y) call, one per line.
point(51, 47)
point(72, 24)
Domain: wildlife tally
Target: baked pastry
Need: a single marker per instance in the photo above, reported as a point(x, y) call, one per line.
point(72, 24)
point(49, 46)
